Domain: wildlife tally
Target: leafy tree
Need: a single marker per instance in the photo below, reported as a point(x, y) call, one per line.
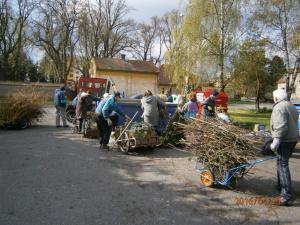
point(250, 72)
point(14, 18)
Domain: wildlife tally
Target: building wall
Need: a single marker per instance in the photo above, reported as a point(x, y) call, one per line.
point(296, 95)
point(130, 82)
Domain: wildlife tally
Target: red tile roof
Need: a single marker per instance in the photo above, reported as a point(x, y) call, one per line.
point(125, 65)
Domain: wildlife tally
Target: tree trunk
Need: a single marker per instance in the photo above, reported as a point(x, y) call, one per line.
point(257, 94)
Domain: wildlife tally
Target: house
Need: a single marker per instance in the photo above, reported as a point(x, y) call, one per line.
point(130, 76)
point(164, 81)
point(281, 84)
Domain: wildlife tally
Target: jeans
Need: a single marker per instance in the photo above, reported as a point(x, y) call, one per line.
point(60, 112)
point(284, 151)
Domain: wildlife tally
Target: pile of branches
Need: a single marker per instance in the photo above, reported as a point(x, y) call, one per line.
point(173, 133)
point(217, 145)
point(22, 108)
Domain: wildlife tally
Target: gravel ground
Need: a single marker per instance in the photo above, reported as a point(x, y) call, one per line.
point(51, 176)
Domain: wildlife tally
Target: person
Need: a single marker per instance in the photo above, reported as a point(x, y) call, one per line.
point(190, 109)
point(150, 107)
point(104, 122)
point(208, 106)
point(285, 133)
point(82, 108)
point(60, 104)
point(169, 96)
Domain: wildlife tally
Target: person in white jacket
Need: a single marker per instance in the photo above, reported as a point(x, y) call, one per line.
point(285, 134)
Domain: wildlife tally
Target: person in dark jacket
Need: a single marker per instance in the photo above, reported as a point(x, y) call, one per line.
point(169, 96)
point(60, 104)
point(285, 134)
point(105, 123)
point(209, 105)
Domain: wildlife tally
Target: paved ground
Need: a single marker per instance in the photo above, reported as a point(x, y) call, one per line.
point(51, 176)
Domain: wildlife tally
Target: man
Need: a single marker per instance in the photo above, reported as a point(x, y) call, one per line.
point(285, 133)
point(209, 105)
point(60, 104)
point(169, 96)
point(105, 124)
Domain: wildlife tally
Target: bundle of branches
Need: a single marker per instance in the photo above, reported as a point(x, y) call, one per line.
point(173, 133)
point(218, 146)
point(21, 108)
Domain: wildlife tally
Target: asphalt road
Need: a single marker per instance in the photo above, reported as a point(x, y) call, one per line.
point(50, 176)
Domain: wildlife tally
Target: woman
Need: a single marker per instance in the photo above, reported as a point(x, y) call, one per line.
point(190, 109)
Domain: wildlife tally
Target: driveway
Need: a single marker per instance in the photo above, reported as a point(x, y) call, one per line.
point(51, 176)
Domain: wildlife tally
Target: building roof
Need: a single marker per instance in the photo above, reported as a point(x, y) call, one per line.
point(125, 65)
point(282, 80)
point(163, 78)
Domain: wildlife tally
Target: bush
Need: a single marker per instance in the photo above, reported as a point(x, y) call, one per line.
point(22, 108)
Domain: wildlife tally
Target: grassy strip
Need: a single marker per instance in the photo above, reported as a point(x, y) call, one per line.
point(248, 118)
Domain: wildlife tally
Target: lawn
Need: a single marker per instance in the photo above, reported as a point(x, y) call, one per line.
point(248, 118)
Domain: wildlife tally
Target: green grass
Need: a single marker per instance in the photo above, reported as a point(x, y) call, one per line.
point(235, 101)
point(248, 118)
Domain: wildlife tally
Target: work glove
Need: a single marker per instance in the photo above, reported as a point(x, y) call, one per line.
point(109, 122)
point(127, 117)
point(209, 108)
point(275, 144)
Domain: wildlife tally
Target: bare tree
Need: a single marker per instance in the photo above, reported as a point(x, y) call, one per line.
point(145, 39)
point(277, 19)
point(55, 33)
point(14, 17)
point(116, 30)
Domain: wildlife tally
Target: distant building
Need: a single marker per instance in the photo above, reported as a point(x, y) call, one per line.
point(281, 84)
point(130, 76)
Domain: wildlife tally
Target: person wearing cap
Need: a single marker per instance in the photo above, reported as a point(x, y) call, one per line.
point(104, 121)
point(60, 104)
point(285, 134)
point(208, 106)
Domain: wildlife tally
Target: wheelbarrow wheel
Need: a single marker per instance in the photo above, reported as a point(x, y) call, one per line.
point(124, 145)
point(207, 178)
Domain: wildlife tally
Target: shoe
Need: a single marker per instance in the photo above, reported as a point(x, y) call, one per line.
point(104, 147)
point(66, 126)
point(58, 126)
point(282, 202)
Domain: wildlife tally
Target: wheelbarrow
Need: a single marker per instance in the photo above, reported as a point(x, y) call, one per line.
point(126, 141)
point(208, 178)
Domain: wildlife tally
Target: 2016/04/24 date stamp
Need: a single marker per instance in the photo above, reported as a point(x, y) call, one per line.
point(251, 201)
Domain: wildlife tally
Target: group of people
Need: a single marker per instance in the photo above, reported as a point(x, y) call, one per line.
point(284, 123)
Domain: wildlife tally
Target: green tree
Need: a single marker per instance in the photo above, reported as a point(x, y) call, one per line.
point(250, 72)
point(14, 18)
point(208, 34)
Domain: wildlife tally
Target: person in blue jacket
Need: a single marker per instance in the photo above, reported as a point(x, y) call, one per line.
point(60, 104)
point(105, 124)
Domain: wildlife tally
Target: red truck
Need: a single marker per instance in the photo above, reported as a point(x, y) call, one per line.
point(98, 86)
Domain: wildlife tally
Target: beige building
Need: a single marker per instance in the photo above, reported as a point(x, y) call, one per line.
point(130, 76)
point(296, 94)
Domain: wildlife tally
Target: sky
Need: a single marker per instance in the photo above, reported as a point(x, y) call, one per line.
point(143, 10)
